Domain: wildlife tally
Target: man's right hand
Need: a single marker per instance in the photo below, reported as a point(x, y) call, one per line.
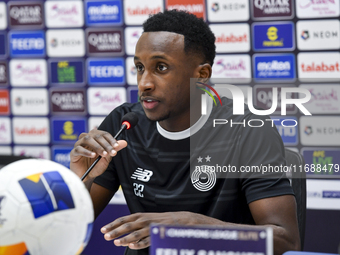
point(88, 147)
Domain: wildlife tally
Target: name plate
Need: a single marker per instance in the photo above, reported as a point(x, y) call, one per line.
point(209, 240)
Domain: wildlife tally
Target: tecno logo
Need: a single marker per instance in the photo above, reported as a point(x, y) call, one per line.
point(28, 44)
point(106, 71)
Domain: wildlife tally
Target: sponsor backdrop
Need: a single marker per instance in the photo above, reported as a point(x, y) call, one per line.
point(64, 65)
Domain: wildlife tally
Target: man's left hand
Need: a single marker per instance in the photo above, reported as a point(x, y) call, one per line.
point(136, 227)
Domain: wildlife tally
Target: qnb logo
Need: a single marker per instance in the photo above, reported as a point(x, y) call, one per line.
point(141, 174)
point(106, 71)
point(238, 100)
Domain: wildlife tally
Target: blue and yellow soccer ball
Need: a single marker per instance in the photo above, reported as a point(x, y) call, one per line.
point(44, 209)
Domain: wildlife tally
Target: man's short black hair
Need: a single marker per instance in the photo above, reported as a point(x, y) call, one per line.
point(198, 38)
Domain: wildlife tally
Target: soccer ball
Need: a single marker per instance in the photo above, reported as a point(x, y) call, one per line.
point(44, 209)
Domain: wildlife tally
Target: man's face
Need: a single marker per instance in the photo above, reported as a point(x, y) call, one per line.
point(163, 75)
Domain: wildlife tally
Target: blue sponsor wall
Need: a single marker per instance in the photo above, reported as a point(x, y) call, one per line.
point(270, 34)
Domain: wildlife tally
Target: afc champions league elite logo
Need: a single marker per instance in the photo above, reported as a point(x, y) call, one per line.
point(204, 176)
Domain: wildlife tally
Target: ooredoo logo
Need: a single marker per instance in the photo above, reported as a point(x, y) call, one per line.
point(26, 14)
point(231, 38)
point(31, 130)
point(196, 7)
point(28, 72)
point(319, 65)
point(136, 12)
point(64, 13)
point(224, 11)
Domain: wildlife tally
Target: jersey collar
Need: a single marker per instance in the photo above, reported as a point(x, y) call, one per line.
point(190, 131)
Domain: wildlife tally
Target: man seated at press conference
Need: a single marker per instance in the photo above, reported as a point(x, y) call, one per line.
point(174, 47)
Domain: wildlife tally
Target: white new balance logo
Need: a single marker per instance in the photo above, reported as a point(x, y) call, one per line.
point(142, 174)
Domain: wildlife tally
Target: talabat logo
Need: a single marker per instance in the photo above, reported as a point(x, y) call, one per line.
point(231, 38)
point(319, 65)
point(68, 101)
point(318, 35)
point(106, 71)
point(231, 10)
point(274, 67)
point(320, 130)
point(27, 44)
point(196, 7)
point(325, 98)
point(67, 72)
point(28, 72)
point(31, 130)
point(235, 67)
point(65, 43)
point(67, 130)
point(317, 9)
point(136, 11)
point(102, 101)
point(64, 14)
point(105, 42)
point(4, 102)
point(5, 131)
point(25, 15)
point(264, 9)
point(107, 12)
point(273, 36)
point(3, 74)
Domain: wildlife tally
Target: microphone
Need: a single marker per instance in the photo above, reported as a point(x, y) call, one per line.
point(128, 121)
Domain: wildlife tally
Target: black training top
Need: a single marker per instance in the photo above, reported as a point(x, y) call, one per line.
point(160, 174)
